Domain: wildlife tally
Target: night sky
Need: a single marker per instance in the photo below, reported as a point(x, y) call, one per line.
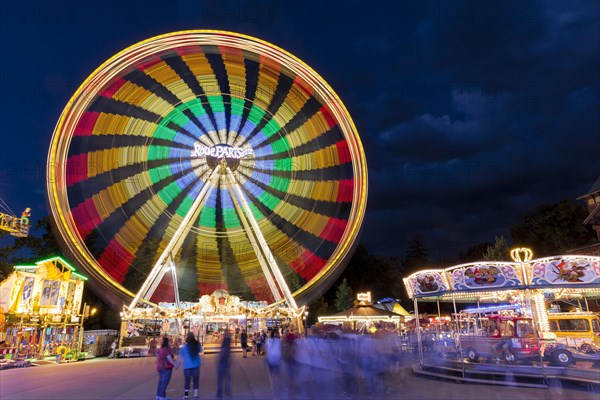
point(471, 113)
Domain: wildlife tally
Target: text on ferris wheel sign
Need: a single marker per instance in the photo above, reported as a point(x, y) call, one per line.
point(220, 151)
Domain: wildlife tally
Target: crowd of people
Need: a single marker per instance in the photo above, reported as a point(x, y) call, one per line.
point(310, 367)
point(298, 366)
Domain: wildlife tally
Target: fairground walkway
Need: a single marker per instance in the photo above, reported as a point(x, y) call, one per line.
point(135, 378)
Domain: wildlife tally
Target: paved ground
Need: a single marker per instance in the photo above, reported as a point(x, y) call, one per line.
point(136, 378)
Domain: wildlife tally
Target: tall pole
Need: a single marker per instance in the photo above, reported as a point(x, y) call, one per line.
point(418, 326)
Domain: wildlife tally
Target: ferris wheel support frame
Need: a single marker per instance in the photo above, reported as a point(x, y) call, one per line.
point(263, 264)
point(267, 255)
point(165, 261)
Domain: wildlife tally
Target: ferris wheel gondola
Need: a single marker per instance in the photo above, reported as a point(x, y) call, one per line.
point(214, 154)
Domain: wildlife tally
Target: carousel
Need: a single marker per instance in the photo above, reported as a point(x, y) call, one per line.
point(208, 319)
point(521, 317)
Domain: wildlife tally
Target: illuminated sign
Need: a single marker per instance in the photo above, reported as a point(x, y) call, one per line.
point(364, 296)
point(220, 151)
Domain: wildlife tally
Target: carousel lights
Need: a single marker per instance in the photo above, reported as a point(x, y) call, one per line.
point(540, 309)
point(466, 295)
point(499, 307)
point(521, 254)
point(408, 287)
point(566, 257)
point(425, 271)
point(472, 264)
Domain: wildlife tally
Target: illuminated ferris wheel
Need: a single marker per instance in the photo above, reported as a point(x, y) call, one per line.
point(213, 154)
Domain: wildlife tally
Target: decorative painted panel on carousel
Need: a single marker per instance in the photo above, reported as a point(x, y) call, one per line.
point(565, 271)
point(427, 283)
point(485, 276)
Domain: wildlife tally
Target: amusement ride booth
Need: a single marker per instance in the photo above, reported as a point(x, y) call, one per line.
point(200, 161)
point(43, 314)
point(364, 317)
point(529, 319)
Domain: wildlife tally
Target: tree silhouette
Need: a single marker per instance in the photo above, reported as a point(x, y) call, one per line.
point(317, 309)
point(498, 251)
point(416, 256)
point(553, 229)
point(344, 298)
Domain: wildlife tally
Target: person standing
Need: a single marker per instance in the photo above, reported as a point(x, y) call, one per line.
point(113, 349)
point(25, 216)
point(260, 343)
point(224, 367)
point(190, 353)
point(244, 342)
point(164, 366)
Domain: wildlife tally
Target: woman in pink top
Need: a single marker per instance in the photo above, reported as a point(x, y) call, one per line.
point(164, 366)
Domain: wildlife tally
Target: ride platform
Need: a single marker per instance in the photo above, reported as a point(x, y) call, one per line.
point(533, 376)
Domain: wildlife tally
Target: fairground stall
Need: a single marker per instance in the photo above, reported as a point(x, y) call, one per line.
point(208, 319)
point(364, 317)
point(530, 320)
point(42, 310)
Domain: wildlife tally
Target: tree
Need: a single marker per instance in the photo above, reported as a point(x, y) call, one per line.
point(6, 267)
point(416, 256)
point(369, 273)
point(499, 251)
point(344, 298)
point(553, 229)
point(317, 309)
point(41, 247)
point(474, 253)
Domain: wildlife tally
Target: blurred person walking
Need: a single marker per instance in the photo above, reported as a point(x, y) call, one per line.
point(289, 359)
point(190, 353)
point(273, 350)
point(224, 367)
point(164, 366)
point(346, 359)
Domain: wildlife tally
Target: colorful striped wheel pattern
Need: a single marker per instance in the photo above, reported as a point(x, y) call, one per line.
point(124, 169)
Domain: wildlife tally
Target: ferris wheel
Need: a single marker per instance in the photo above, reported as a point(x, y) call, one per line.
point(213, 154)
